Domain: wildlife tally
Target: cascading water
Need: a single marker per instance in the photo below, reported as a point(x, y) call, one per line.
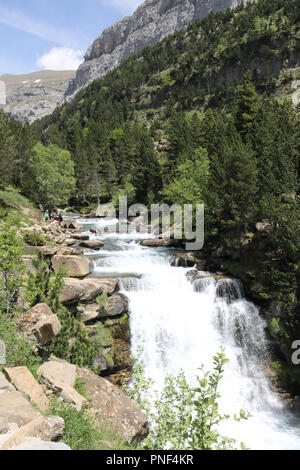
point(182, 323)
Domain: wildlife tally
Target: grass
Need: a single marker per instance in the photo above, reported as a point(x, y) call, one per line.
point(13, 199)
point(82, 433)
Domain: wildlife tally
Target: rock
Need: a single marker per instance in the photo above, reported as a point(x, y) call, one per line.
point(185, 260)
point(50, 251)
point(92, 244)
point(60, 376)
point(157, 242)
point(4, 425)
point(70, 395)
point(24, 382)
point(151, 22)
point(5, 386)
point(57, 369)
point(89, 312)
point(76, 266)
point(16, 408)
point(70, 224)
point(36, 444)
point(93, 230)
point(113, 408)
point(80, 236)
point(47, 429)
point(41, 323)
point(115, 306)
point(86, 290)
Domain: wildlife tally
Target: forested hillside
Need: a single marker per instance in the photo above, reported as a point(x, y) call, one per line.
point(201, 117)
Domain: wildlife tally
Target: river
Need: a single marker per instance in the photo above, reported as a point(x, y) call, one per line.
point(182, 324)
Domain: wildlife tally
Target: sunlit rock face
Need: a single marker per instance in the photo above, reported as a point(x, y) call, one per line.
point(151, 22)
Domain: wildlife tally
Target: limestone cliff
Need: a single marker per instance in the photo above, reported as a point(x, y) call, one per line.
point(32, 96)
point(151, 22)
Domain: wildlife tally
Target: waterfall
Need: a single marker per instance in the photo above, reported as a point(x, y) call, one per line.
point(182, 323)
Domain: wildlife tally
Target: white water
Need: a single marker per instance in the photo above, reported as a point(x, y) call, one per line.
point(182, 324)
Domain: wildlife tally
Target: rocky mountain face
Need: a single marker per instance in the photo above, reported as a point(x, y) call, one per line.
point(33, 96)
point(152, 21)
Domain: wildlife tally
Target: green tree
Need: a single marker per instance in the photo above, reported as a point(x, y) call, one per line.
point(183, 417)
point(12, 267)
point(50, 177)
point(190, 183)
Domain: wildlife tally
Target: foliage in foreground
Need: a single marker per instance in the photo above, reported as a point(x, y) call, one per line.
point(183, 417)
point(82, 433)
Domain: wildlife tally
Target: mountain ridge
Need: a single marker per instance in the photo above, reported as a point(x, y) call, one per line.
point(152, 21)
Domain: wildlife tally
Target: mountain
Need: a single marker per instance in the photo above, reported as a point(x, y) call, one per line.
point(33, 96)
point(151, 22)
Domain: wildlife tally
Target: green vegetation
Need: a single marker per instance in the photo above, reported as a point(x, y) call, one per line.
point(82, 433)
point(183, 417)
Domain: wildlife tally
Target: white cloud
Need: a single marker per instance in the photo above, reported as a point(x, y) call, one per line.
point(125, 6)
point(61, 58)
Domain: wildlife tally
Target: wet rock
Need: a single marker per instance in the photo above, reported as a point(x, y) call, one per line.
point(92, 244)
point(187, 260)
point(70, 224)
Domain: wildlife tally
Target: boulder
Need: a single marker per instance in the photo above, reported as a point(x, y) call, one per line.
point(47, 429)
point(70, 224)
point(76, 266)
point(115, 306)
point(80, 236)
point(112, 407)
point(50, 251)
point(89, 312)
point(4, 425)
point(41, 323)
point(24, 382)
point(5, 386)
point(35, 443)
point(86, 290)
point(16, 408)
point(60, 376)
point(92, 244)
point(186, 260)
point(57, 369)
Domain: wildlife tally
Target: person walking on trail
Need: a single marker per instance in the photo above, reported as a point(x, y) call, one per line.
point(46, 216)
point(60, 219)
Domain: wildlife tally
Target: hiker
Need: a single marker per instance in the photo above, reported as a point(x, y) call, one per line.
point(46, 216)
point(60, 219)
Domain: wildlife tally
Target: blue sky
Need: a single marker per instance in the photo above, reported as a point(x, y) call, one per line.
point(43, 34)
